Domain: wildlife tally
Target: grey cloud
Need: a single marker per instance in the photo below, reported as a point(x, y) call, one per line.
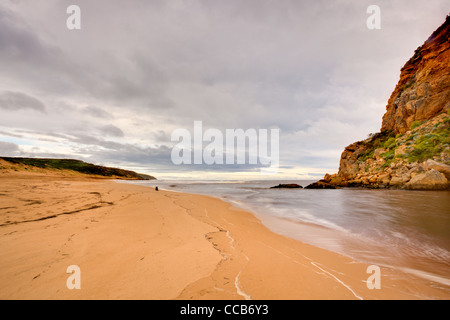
point(97, 112)
point(219, 168)
point(232, 64)
point(104, 151)
point(37, 153)
point(17, 42)
point(8, 148)
point(159, 157)
point(10, 100)
point(111, 130)
point(162, 136)
point(25, 55)
point(135, 155)
point(43, 133)
point(9, 134)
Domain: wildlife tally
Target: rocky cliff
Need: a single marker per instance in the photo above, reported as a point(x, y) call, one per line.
point(412, 149)
point(423, 90)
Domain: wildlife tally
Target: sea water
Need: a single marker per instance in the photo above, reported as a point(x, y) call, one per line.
point(399, 228)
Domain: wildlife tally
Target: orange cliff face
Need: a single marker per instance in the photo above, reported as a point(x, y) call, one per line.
point(424, 87)
point(412, 151)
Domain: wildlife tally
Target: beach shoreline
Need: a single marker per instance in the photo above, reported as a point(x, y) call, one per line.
point(132, 242)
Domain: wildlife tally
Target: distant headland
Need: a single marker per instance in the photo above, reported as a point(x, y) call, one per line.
point(15, 164)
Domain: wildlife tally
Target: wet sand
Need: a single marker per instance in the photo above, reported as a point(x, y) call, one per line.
point(132, 242)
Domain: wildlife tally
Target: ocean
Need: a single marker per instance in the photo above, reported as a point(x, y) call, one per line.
point(408, 230)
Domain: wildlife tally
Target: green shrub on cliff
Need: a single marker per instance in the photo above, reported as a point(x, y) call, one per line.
point(367, 154)
point(420, 153)
point(390, 143)
point(429, 145)
point(388, 155)
point(425, 143)
point(377, 140)
point(415, 124)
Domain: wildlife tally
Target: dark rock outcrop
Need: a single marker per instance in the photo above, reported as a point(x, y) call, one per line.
point(287, 186)
point(321, 184)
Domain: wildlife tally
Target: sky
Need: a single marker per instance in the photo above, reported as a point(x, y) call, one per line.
point(113, 92)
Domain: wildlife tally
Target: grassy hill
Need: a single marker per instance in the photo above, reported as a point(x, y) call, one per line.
point(78, 166)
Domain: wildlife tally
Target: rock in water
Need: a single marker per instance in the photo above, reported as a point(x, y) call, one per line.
point(320, 185)
point(287, 186)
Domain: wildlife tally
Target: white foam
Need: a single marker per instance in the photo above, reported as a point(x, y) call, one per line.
point(338, 280)
point(427, 276)
point(238, 288)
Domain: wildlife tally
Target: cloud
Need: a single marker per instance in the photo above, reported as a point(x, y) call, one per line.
point(162, 136)
point(134, 73)
point(9, 134)
point(10, 100)
point(97, 112)
point(8, 148)
point(111, 130)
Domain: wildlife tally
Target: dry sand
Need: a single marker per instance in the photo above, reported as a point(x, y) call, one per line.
point(132, 242)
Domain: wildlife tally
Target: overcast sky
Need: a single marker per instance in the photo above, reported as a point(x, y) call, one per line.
point(113, 92)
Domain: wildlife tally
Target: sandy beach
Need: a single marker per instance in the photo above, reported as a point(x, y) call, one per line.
point(132, 242)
